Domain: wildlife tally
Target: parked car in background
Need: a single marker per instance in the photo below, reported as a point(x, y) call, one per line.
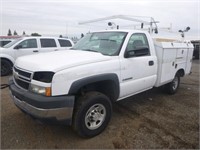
point(7, 39)
point(196, 44)
point(3, 42)
point(27, 46)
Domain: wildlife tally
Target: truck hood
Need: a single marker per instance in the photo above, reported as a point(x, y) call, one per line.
point(59, 60)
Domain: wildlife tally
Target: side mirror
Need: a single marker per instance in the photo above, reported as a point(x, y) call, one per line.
point(137, 52)
point(18, 47)
point(129, 54)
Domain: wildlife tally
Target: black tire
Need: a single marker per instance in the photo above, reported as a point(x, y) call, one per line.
point(84, 105)
point(6, 67)
point(173, 86)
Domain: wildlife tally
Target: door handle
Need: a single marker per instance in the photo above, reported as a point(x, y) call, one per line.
point(35, 51)
point(151, 63)
point(56, 50)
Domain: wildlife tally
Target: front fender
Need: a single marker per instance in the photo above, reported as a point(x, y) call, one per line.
point(77, 85)
point(5, 56)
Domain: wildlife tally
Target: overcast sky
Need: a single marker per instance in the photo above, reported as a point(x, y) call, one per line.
point(55, 17)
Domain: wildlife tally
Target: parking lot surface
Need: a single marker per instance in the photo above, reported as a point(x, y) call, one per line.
point(152, 119)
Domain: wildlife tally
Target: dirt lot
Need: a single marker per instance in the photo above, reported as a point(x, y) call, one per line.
point(151, 119)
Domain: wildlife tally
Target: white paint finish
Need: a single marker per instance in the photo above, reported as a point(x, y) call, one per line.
point(168, 65)
point(136, 86)
point(137, 69)
point(169, 55)
point(135, 75)
point(63, 80)
point(7, 56)
point(189, 61)
point(181, 54)
point(59, 60)
point(41, 84)
point(25, 51)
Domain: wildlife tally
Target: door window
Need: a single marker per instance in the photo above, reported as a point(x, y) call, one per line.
point(47, 43)
point(30, 43)
point(138, 45)
point(64, 43)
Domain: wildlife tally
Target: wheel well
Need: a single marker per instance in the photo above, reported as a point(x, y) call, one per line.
point(7, 60)
point(181, 72)
point(107, 87)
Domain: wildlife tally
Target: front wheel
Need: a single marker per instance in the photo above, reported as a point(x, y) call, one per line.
point(172, 87)
point(92, 114)
point(6, 67)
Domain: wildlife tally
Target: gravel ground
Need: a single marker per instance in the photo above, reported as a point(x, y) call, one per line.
point(151, 119)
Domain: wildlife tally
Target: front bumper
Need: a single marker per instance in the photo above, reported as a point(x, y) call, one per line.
point(57, 109)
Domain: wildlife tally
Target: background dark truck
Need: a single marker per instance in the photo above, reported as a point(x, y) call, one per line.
point(196, 44)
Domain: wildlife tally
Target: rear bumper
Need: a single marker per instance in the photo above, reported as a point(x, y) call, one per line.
point(58, 109)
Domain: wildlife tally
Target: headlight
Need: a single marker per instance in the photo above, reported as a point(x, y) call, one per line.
point(40, 90)
point(45, 76)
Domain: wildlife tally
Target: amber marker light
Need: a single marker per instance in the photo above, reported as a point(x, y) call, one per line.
point(48, 91)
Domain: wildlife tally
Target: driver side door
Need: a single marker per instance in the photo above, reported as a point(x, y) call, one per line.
point(138, 67)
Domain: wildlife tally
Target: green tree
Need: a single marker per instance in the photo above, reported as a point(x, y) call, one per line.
point(15, 33)
point(9, 33)
point(24, 33)
point(35, 34)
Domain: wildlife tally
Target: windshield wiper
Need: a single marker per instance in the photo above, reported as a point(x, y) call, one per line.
point(90, 50)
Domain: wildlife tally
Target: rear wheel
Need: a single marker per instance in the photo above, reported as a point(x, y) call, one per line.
point(172, 87)
point(6, 67)
point(92, 114)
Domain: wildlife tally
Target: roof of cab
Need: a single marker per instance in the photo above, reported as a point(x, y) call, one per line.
point(121, 30)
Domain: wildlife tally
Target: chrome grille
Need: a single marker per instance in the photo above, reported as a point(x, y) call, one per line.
point(22, 78)
point(22, 84)
point(22, 73)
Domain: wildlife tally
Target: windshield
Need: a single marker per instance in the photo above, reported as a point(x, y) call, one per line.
point(106, 43)
point(12, 43)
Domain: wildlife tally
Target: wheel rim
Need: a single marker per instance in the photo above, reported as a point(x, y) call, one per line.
point(4, 68)
point(95, 116)
point(175, 83)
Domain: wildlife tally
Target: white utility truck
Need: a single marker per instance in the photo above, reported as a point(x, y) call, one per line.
point(77, 87)
point(27, 46)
